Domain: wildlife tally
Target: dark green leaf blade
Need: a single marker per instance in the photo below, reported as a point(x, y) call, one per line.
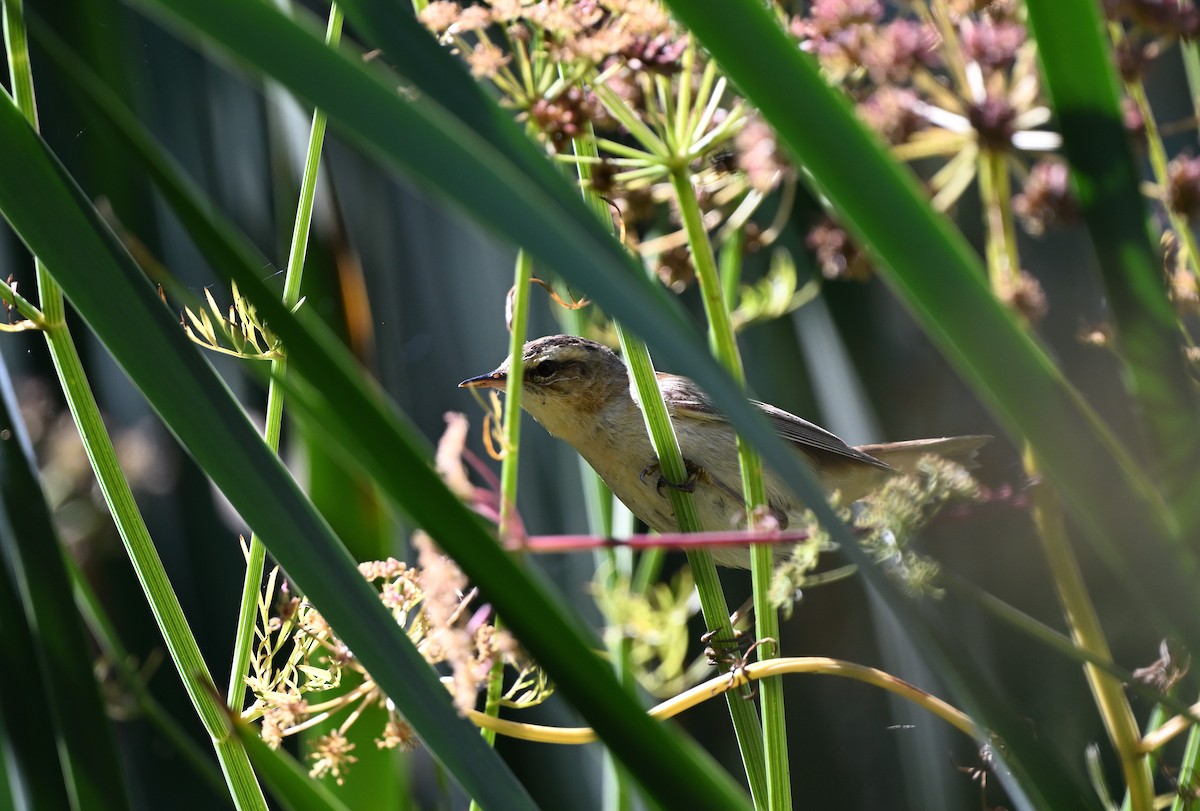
point(73, 709)
point(1081, 81)
point(284, 777)
point(109, 291)
point(663, 761)
point(936, 274)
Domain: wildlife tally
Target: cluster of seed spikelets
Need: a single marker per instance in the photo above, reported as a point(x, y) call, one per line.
point(300, 663)
point(241, 333)
point(612, 72)
point(888, 520)
point(937, 79)
point(654, 623)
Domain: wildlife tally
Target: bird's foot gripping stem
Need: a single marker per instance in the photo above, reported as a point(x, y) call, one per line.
point(695, 474)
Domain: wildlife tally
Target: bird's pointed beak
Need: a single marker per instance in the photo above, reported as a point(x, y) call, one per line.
point(491, 380)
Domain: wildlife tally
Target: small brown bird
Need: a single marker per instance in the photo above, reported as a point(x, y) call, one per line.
point(580, 392)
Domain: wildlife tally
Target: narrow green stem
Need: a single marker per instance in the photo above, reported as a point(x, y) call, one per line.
point(715, 610)
point(512, 412)
point(1157, 152)
point(115, 654)
point(1001, 247)
point(762, 560)
point(1188, 770)
point(713, 607)
point(26, 308)
point(256, 554)
point(731, 267)
point(1190, 52)
point(512, 443)
point(1086, 631)
point(617, 789)
point(1003, 266)
point(164, 605)
point(168, 614)
point(1157, 716)
point(508, 472)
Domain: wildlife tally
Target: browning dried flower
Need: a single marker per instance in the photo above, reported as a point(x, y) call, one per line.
point(889, 112)
point(1131, 117)
point(901, 47)
point(439, 15)
point(1183, 186)
point(837, 255)
point(397, 734)
point(301, 655)
point(758, 155)
point(1026, 296)
point(994, 122)
point(993, 45)
point(1046, 200)
point(657, 54)
point(1182, 288)
point(562, 118)
point(1164, 672)
point(675, 270)
point(486, 60)
point(1165, 18)
point(832, 16)
point(1134, 55)
point(448, 459)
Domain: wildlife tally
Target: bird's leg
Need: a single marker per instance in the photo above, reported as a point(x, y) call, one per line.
point(727, 651)
point(695, 473)
point(743, 613)
point(724, 651)
point(735, 657)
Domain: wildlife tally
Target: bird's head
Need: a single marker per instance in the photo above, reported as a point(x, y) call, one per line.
point(566, 381)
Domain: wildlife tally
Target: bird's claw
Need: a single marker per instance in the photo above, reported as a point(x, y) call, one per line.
point(694, 474)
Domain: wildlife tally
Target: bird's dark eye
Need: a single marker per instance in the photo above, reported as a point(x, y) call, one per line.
point(544, 370)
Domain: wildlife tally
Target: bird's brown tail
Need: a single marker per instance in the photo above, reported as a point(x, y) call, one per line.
point(903, 456)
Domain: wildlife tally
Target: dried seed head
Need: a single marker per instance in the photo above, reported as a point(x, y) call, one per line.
point(675, 269)
point(1026, 296)
point(837, 255)
point(889, 111)
point(992, 120)
point(1046, 199)
point(1135, 124)
point(758, 155)
point(486, 60)
point(564, 117)
point(900, 48)
point(439, 15)
point(993, 45)
point(1183, 186)
point(1162, 18)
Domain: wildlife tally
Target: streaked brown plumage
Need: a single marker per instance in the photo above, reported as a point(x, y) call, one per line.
point(580, 392)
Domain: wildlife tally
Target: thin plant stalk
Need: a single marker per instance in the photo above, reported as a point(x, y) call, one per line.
point(1156, 151)
point(762, 560)
point(256, 553)
point(168, 614)
point(713, 605)
point(1108, 692)
point(1119, 722)
point(1157, 716)
point(115, 654)
point(1188, 770)
point(616, 564)
point(508, 472)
